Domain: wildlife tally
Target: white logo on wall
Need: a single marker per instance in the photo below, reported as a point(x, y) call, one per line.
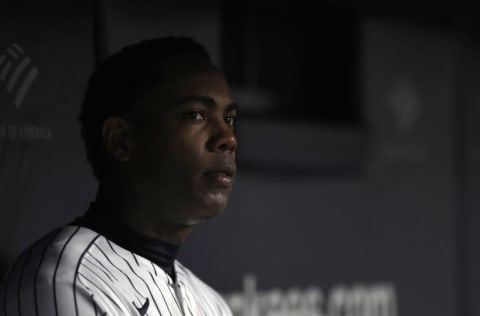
point(379, 299)
point(405, 105)
point(17, 73)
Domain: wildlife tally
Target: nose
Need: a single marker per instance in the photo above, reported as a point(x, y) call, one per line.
point(223, 139)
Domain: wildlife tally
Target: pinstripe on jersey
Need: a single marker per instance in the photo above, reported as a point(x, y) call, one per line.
point(76, 271)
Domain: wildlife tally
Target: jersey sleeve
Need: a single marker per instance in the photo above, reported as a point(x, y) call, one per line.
point(47, 279)
point(43, 298)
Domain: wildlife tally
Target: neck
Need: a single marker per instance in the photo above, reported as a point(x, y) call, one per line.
point(139, 217)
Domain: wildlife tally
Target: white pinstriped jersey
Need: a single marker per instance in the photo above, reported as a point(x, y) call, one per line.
point(76, 271)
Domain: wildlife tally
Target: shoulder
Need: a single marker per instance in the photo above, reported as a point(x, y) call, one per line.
point(53, 255)
point(193, 280)
point(209, 299)
point(44, 277)
point(56, 255)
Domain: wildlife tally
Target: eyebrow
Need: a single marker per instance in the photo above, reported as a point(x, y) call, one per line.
point(207, 101)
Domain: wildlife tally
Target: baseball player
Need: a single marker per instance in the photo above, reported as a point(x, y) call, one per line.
point(158, 124)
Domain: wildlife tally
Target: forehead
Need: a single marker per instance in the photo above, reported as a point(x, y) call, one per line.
point(186, 76)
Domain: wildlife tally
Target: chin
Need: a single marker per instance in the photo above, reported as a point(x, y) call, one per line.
point(202, 207)
point(201, 218)
point(210, 209)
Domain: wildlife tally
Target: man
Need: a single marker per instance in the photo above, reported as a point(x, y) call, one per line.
point(158, 124)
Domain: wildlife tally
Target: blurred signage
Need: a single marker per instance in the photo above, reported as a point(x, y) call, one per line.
point(361, 299)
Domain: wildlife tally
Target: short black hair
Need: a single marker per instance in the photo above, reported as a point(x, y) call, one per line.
point(120, 81)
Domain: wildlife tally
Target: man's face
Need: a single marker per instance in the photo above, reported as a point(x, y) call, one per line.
point(183, 157)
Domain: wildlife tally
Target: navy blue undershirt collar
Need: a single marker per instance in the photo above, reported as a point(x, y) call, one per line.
point(105, 223)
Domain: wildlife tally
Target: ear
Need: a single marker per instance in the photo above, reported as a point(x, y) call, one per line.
point(116, 133)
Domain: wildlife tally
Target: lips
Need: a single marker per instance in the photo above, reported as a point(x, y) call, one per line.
point(221, 176)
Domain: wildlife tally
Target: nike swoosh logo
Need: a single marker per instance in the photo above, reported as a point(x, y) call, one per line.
point(142, 310)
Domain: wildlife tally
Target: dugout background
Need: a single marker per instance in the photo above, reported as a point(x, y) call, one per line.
point(366, 177)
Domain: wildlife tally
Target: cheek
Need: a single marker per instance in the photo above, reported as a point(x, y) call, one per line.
point(176, 162)
point(149, 157)
point(188, 154)
point(177, 158)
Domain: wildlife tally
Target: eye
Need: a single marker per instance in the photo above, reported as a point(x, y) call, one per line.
point(195, 115)
point(231, 120)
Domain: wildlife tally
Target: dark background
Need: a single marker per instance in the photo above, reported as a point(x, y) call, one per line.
point(359, 155)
